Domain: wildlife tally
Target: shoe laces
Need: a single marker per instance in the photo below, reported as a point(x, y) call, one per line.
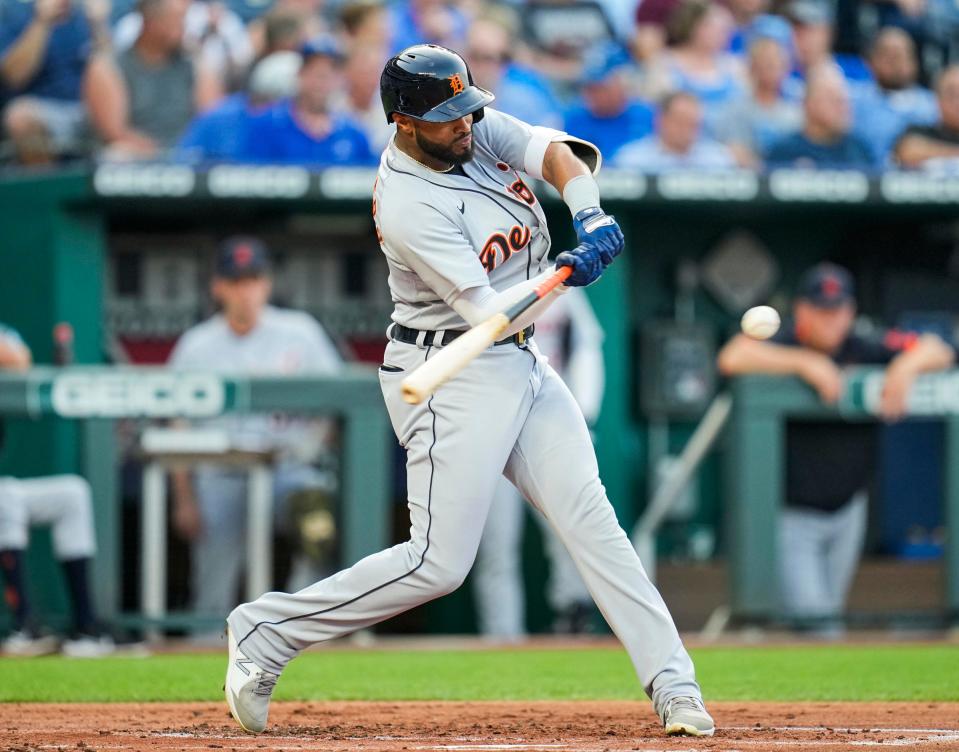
point(690, 703)
point(264, 684)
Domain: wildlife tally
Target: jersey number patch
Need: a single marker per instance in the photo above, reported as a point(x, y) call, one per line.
point(519, 188)
point(499, 247)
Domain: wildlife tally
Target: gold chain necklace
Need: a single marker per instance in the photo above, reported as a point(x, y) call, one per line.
point(441, 172)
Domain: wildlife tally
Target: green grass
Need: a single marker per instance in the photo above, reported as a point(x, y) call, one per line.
point(897, 672)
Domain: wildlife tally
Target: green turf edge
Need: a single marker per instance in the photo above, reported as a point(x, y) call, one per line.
point(833, 673)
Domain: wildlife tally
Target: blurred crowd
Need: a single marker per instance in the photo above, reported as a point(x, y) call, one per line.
point(658, 84)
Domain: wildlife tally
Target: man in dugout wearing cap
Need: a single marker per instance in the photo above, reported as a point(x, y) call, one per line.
point(250, 336)
point(829, 463)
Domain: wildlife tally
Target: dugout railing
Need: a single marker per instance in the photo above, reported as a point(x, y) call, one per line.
point(97, 397)
point(755, 475)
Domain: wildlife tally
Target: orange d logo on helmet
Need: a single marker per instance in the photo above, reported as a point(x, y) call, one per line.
point(456, 83)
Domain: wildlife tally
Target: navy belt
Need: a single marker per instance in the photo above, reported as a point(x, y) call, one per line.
point(402, 333)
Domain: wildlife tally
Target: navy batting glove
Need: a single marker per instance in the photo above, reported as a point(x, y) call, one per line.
point(596, 227)
point(586, 262)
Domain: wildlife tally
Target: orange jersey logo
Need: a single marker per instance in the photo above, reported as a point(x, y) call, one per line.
point(500, 246)
point(456, 83)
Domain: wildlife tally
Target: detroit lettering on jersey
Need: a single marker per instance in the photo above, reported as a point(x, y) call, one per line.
point(445, 232)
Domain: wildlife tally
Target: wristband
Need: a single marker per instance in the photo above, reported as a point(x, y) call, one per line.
point(580, 193)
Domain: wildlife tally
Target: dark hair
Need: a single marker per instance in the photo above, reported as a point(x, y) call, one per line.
point(147, 7)
point(684, 19)
point(280, 26)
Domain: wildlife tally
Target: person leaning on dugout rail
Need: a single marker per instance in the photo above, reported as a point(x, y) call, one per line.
point(65, 503)
point(829, 463)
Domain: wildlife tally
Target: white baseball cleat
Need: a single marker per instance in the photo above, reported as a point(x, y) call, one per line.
point(88, 646)
point(687, 716)
point(26, 644)
point(248, 688)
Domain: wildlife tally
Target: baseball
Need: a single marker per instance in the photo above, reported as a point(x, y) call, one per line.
point(760, 322)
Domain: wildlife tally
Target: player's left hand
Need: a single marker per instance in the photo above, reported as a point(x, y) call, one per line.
point(586, 262)
point(596, 227)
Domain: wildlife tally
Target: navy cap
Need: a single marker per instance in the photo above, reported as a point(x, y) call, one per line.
point(603, 60)
point(240, 257)
point(827, 286)
point(323, 45)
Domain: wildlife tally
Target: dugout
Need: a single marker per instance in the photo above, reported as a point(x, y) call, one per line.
point(122, 254)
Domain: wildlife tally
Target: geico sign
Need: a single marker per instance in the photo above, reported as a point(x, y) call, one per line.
point(155, 395)
point(821, 185)
point(933, 394)
point(258, 182)
point(144, 180)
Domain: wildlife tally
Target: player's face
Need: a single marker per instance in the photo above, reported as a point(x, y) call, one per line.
point(242, 299)
point(451, 142)
point(824, 329)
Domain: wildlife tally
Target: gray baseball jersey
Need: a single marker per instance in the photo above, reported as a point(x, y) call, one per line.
point(443, 232)
point(282, 342)
point(507, 413)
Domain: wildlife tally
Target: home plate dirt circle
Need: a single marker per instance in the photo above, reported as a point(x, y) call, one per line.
point(477, 727)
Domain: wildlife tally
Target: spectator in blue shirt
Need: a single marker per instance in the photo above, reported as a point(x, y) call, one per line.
point(222, 134)
point(678, 143)
point(812, 24)
point(520, 91)
point(44, 48)
point(885, 107)
point(697, 60)
point(305, 130)
point(825, 140)
point(605, 113)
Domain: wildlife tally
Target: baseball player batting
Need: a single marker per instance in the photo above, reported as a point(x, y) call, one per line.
point(465, 238)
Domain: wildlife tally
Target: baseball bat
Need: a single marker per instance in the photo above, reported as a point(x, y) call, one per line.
point(454, 357)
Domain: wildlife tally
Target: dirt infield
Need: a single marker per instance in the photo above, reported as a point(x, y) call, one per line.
point(477, 726)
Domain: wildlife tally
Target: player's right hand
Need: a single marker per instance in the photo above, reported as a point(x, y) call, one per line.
point(587, 264)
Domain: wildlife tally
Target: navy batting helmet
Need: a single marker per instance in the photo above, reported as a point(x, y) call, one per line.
point(431, 83)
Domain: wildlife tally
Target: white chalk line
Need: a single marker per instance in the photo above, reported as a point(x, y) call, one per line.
point(843, 729)
point(739, 743)
point(501, 747)
point(296, 743)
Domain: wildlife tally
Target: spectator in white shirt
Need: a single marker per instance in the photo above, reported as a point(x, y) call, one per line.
point(678, 142)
